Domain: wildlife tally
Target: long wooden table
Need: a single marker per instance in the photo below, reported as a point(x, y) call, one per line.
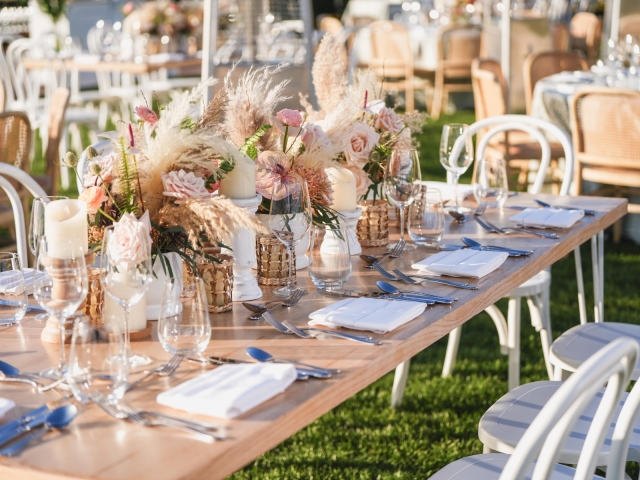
point(97, 446)
point(129, 67)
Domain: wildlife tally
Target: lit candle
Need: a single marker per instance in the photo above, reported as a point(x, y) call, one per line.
point(241, 181)
point(344, 189)
point(65, 226)
point(113, 312)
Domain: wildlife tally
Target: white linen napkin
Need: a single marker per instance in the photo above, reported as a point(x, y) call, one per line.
point(5, 406)
point(547, 217)
point(462, 263)
point(9, 281)
point(166, 57)
point(373, 314)
point(230, 390)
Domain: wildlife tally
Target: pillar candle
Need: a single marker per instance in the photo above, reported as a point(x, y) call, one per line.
point(344, 189)
point(113, 312)
point(241, 181)
point(65, 226)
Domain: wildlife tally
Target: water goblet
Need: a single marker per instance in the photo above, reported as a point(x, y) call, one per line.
point(13, 291)
point(490, 186)
point(290, 218)
point(456, 153)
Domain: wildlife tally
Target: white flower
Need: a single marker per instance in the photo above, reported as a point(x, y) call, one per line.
point(183, 185)
point(106, 165)
point(130, 242)
point(314, 138)
point(362, 139)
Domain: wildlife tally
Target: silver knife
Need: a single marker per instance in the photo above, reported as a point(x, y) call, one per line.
point(547, 205)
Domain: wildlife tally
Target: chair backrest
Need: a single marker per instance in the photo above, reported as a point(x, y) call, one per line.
point(605, 125)
point(458, 46)
point(630, 25)
point(489, 88)
point(585, 33)
point(613, 365)
point(5, 75)
point(391, 50)
point(560, 36)
point(543, 64)
point(57, 110)
point(15, 139)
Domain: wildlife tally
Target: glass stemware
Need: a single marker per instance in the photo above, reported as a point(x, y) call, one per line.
point(13, 292)
point(126, 284)
point(456, 161)
point(97, 364)
point(329, 256)
point(490, 186)
point(290, 218)
point(426, 217)
point(36, 231)
point(183, 325)
point(401, 179)
point(60, 286)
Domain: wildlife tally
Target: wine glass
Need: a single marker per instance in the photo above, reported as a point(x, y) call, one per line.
point(36, 230)
point(426, 217)
point(329, 256)
point(290, 218)
point(456, 153)
point(490, 186)
point(97, 365)
point(401, 179)
point(13, 292)
point(183, 325)
point(126, 283)
point(59, 286)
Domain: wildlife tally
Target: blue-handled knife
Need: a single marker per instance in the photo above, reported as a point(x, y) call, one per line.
point(26, 418)
point(25, 427)
point(547, 205)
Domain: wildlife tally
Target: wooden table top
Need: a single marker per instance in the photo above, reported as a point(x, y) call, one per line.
point(98, 446)
point(133, 68)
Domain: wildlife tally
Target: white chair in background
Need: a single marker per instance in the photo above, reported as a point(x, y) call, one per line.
point(536, 290)
point(543, 440)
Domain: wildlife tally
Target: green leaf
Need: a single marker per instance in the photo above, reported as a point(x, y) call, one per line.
point(249, 147)
point(127, 176)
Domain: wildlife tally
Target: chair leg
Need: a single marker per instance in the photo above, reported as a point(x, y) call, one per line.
point(617, 231)
point(582, 305)
point(537, 309)
point(436, 104)
point(513, 323)
point(399, 383)
point(452, 351)
point(409, 96)
point(103, 115)
point(501, 326)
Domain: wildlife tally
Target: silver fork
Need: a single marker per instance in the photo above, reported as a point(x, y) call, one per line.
point(395, 252)
point(451, 283)
point(398, 249)
point(384, 273)
point(506, 231)
point(303, 333)
point(411, 281)
point(163, 371)
point(290, 302)
point(127, 408)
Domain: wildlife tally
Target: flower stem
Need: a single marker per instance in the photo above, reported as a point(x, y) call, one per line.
point(285, 139)
point(107, 215)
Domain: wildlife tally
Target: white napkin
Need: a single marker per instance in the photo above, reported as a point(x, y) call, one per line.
point(373, 314)
point(86, 58)
point(5, 406)
point(166, 57)
point(462, 263)
point(547, 217)
point(10, 282)
point(230, 390)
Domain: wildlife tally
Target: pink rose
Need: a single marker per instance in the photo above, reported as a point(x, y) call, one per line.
point(183, 185)
point(363, 182)
point(102, 168)
point(314, 138)
point(146, 114)
point(94, 197)
point(288, 117)
point(362, 139)
point(273, 168)
point(389, 121)
point(130, 242)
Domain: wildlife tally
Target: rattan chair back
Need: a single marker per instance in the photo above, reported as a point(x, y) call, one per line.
point(630, 25)
point(585, 33)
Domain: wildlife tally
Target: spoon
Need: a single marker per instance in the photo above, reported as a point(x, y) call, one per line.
point(12, 374)
point(58, 419)
point(262, 356)
point(460, 217)
point(393, 290)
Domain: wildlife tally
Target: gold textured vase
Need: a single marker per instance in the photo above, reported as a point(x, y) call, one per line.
point(373, 224)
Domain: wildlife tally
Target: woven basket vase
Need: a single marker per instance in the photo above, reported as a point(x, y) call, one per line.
point(273, 261)
point(373, 224)
point(218, 283)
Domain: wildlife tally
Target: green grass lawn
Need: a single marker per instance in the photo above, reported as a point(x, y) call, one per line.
point(366, 439)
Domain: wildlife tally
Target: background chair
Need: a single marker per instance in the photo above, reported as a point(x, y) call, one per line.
point(604, 125)
point(585, 33)
point(457, 48)
point(543, 440)
point(544, 64)
point(630, 25)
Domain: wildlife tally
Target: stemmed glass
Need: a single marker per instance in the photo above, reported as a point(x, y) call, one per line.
point(97, 364)
point(490, 187)
point(36, 231)
point(13, 292)
point(183, 325)
point(290, 218)
point(456, 160)
point(426, 217)
point(126, 283)
point(401, 179)
point(60, 286)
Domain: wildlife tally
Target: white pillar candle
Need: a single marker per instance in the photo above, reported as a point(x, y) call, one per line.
point(241, 181)
point(113, 312)
point(344, 189)
point(65, 226)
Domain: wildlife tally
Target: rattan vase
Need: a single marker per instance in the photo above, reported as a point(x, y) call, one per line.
point(218, 283)
point(95, 298)
point(373, 225)
point(273, 261)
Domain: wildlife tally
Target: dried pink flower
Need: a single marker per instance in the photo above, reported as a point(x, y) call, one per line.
point(94, 197)
point(146, 114)
point(389, 121)
point(288, 117)
point(271, 168)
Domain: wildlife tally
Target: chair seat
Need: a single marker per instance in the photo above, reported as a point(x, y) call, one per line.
point(172, 84)
point(86, 96)
point(489, 467)
point(534, 286)
point(80, 115)
point(612, 176)
point(522, 148)
point(577, 344)
point(504, 424)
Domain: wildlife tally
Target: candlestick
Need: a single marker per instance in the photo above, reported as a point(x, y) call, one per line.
point(240, 183)
point(350, 221)
point(65, 227)
point(344, 189)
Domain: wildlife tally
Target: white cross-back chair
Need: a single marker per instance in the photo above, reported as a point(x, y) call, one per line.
point(539, 449)
point(7, 170)
point(536, 290)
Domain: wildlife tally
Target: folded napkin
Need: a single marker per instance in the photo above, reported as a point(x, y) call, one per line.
point(372, 314)
point(166, 57)
point(230, 390)
point(547, 217)
point(86, 58)
point(10, 281)
point(5, 406)
point(462, 263)
point(447, 191)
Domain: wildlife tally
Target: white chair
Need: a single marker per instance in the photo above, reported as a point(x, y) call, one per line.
point(538, 451)
point(536, 290)
point(7, 170)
